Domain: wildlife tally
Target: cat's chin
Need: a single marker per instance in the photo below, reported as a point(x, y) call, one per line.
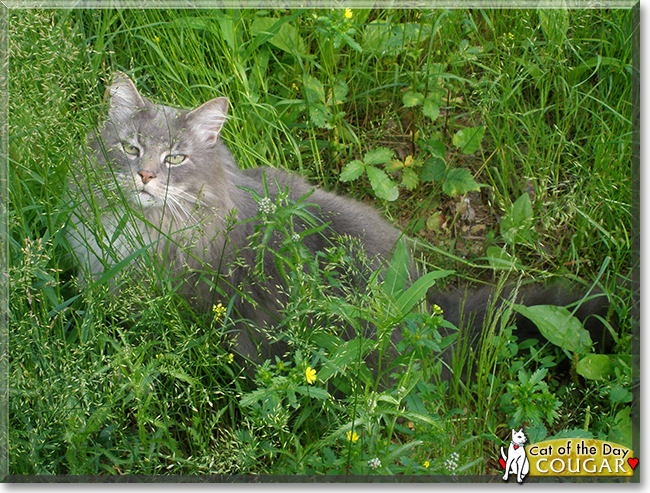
point(144, 199)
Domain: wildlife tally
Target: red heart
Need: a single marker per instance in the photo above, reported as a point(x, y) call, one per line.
point(633, 462)
point(503, 463)
point(516, 447)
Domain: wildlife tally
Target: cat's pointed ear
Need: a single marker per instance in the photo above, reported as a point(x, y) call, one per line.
point(124, 97)
point(208, 119)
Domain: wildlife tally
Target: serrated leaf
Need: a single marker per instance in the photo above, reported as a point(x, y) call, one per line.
point(410, 179)
point(411, 99)
point(433, 169)
point(378, 156)
point(468, 140)
point(314, 91)
point(381, 184)
point(340, 91)
point(459, 181)
point(314, 392)
point(430, 109)
point(435, 147)
point(352, 170)
point(558, 326)
point(320, 115)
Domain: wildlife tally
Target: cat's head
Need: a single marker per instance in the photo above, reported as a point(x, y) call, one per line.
point(163, 157)
point(519, 436)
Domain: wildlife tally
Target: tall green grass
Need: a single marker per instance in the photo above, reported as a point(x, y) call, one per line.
point(135, 383)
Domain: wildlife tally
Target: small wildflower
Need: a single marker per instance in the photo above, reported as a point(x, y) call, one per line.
point(437, 310)
point(156, 39)
point(295, 87)
point(265, 206)
point(426, 464)
point(231, 358)
point(352, 436)
point(310, 375)
point(348, 13)
point(451, 464)
point(295, 237)
point(218, 310)
point(374, 463)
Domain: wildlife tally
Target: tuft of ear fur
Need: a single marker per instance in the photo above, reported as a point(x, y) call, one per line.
point(124, 97)
point(208, 119)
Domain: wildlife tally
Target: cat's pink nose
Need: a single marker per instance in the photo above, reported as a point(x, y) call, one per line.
point(146, 176)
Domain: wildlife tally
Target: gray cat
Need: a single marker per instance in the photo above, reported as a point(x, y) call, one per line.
point(171, 167)
point(183, 191)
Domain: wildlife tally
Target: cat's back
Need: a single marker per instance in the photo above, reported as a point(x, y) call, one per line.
point(346, 216)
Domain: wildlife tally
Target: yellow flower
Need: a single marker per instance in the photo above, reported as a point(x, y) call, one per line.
point(348, 13)
point(426, 464)
point(231, 358)
point(156, 39)
point(219, 310)
point(310, 375)
point(352, 436)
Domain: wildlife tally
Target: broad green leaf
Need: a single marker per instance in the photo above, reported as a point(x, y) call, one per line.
point(281, 34)
point(595, 366)
point(431, 109)
point(468, 140)
point(314, 89)
point(621, 431)
point(619, 394)
point(459, 181)
point(340, 91)
point(352, 170)
point(397, 273)
point(410, 179)
point(378, 156)
point(418, 290)
point(320, 115)
point(381, 184)
point(500, 259)
point(412, 99)
point(517, 224)
point(558, 326)
point(435, 147)
point(433, 169)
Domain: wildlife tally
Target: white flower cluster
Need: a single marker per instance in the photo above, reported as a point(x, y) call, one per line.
point(452, 463)
point(374, 463)
point(265, 206)
point(295, 237)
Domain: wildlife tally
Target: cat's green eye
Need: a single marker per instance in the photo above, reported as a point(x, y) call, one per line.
point(131, 150)
point(175, 159)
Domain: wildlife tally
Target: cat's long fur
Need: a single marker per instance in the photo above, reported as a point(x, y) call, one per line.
point(179, 208)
